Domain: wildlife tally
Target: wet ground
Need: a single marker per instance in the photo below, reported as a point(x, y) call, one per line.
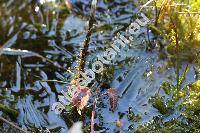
point(41, 41)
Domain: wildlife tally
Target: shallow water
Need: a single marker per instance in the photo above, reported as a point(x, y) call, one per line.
point(41, 41)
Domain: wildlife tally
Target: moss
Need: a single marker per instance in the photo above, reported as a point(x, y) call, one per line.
point(192, 102)
point(188, 121)
point(132, 117)
point(159, 103)
point(155, 30)
point(9, 111)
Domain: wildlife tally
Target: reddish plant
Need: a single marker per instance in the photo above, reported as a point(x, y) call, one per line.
point(80, 97)
point(113, 98)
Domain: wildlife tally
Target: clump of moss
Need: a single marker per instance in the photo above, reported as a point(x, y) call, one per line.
point(191, 104)
point(9, 111)
point(189, 119)
point(132, 116)
point(159, 103)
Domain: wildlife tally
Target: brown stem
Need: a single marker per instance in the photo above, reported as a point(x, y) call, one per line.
point(13, 125)
point(84, 51)
point(156, 16)
point(92, 117)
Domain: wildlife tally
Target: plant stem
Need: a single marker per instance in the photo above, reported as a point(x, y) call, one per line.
point(13, 125)
point(84, 51)
point(177, 55)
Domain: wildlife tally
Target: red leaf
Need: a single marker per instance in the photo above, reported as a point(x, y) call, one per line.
point(81, 97)
point(113, 98)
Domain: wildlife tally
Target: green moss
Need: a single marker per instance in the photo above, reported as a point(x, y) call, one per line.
point(159, 103)
point(9, 111)
point(155, 30)
point(195, 4)
point(132, 117)
point(188, 121)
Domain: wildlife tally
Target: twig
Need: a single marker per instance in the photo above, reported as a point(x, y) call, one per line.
point(92, 117)
point(156, 11)
point(188, 12)
point(12, 40)
point(161, 6)
point(145, 5)
point(50, 61)
point(12, 124)
point(57, 81)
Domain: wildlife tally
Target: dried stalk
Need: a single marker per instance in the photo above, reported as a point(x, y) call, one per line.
point(13, 125)
point(84, 51)
point(12, 40)
point(156, 11)
point(161, 6)
point(93, 115)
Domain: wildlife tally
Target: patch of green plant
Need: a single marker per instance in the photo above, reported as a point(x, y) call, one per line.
point(158, 102)
point(195, 4)
point(189, 119)
point(133, 117)
point(179, 26)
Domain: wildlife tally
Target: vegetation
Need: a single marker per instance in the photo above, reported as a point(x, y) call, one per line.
point(153, 84)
